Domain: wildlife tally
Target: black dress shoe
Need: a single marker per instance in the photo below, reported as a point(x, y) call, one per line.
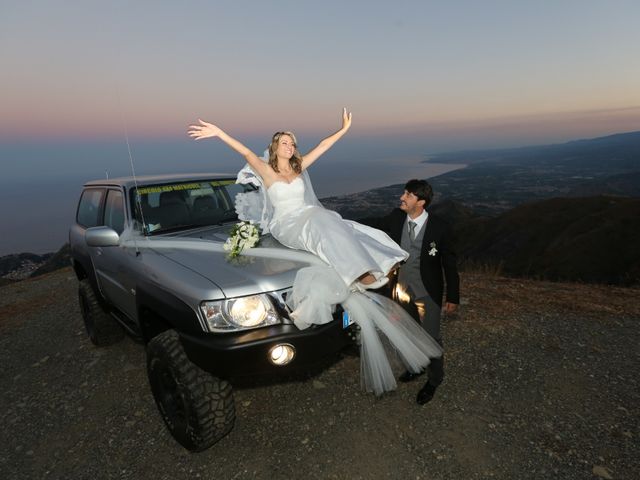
point(425, 394)
point(409, 376)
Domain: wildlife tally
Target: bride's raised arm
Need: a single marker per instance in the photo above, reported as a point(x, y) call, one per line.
point(328, 142)
point(202, 130)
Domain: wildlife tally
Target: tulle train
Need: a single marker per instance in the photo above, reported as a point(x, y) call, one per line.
point(377, 314)
point(318, 289)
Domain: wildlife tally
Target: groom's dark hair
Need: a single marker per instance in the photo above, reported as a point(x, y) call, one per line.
point(421, 189)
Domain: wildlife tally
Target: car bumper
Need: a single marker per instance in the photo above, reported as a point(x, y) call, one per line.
point(246, 353)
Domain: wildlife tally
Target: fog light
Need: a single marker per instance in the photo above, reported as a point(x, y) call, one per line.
point(281, 354)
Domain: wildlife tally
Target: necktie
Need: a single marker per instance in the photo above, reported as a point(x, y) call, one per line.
point(412, 230)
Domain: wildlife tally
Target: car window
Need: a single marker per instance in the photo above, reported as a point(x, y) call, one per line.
point(185, 204)
point(114, 211)
point(89, 207)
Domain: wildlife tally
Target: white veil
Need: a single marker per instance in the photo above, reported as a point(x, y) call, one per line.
point(255, 206)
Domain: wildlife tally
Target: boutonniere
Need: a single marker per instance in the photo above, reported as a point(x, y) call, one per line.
point(433, 250)
point(243, 235)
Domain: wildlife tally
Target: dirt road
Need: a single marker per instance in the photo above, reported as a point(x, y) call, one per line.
point(541, 383)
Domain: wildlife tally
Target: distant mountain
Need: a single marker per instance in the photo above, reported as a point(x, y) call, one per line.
point(594, 239)
point(603, 154)
point(609, 141)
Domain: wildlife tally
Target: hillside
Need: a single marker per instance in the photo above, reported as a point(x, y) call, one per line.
point(60, 259)
point(20, 265)
point(594, 239)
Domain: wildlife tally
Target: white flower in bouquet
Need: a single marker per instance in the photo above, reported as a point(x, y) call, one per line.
point(243, 235)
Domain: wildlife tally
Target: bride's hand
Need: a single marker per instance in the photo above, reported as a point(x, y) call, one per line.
point(346, 119)
point(204, 130)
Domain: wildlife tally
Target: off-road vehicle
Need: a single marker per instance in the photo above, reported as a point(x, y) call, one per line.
point(205, 319)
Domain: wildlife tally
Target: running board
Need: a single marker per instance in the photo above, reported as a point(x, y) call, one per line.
point(128, 325)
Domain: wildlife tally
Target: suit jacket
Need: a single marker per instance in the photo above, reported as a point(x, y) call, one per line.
point(434, 269)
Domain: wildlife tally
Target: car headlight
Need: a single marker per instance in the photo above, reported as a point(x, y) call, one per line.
point(239, 313)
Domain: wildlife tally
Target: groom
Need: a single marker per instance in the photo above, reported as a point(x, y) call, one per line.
point(421, 280)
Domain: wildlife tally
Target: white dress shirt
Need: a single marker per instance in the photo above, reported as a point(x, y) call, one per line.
point(420, 220)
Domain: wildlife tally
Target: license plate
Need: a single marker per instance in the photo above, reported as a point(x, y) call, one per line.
point(346, 320)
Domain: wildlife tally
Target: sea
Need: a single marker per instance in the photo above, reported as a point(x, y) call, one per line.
point(39, 192)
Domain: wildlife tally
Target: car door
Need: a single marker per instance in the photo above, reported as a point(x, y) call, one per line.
point(88, 214)
point(111, 263)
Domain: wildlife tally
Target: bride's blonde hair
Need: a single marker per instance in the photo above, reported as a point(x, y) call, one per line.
point(295, 161)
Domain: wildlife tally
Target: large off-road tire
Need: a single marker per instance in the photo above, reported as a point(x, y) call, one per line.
point(197, 407)
point(101, 328)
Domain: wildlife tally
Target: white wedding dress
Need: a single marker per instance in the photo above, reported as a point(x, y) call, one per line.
point(351, 248)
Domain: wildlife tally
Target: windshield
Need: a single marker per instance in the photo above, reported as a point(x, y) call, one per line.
point(174, 206)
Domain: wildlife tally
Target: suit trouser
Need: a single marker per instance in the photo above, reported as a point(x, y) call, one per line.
point(428, 313)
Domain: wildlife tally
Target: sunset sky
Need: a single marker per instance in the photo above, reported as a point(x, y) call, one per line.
point(79, 77)
point(460, 73)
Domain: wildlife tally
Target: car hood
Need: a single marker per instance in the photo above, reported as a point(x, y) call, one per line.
point(244, 275)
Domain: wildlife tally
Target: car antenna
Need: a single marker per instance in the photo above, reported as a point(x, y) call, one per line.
point(135, 182)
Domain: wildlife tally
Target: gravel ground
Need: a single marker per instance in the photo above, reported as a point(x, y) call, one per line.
point(541, 383)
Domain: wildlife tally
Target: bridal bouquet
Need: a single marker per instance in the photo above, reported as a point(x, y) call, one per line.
point(243, 235)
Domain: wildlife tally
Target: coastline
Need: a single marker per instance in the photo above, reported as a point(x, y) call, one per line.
point(377, 176)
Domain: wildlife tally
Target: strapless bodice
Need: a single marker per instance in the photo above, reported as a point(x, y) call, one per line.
point(349, 247)
point(286, 197)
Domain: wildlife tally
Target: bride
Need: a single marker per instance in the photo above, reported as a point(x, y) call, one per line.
point(361, 256)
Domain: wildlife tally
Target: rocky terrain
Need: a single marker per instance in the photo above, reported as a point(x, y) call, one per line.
point(541, 383)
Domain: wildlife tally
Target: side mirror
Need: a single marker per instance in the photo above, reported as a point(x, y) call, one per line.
point(101, 237)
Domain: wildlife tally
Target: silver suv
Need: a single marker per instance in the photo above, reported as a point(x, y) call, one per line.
point(205, 319)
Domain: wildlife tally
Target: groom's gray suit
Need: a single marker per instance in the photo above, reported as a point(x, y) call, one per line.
point(431, 260)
